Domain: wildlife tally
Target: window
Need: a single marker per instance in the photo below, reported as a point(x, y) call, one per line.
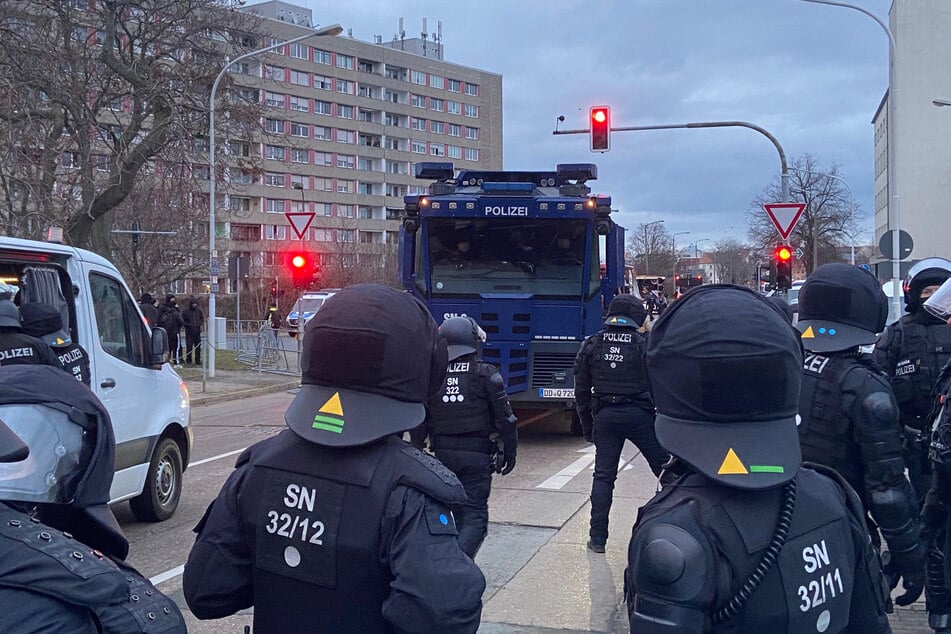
point(365, 164)
point(269, 258)
point(322, 82)
point(345, 112)
point(395, 120)
point(365, 212)
point(395, 72)
point(275, 232)
point(274, 179)
point(346, 136)
point(472, 89)
point(323, 158)
point(345, 87)
point(239, 204)
point(417, 124)
point(300, 104)
point(300, 129)
point(345, 187)
point(298, 206)
point(245, 233)
point(394, 97)
point(274, 152)
point(239, 148)
point(274, 41)
point(436, 105)
point(345, 161)
point(251, 95)
point(436, 81)
point(472, 154)
point(472, 133)
point(274, 205)
point(325, 209)
point(101, 161)
point(454, 151)
point(437, 127)
point(453, 107)
point(297, 179)
point(121, 332)
point(455, 130)
point(321, 57)
point(322, 133)
point(454, 85)
point(347, 211)
point(299, 155)
point(322, 107)
point(239, 176)
point(70, 159)
point(274, 72)
point(417, 101)
point(472, 111)
point(346, 235)
point(419, 147)
point(344, 61)
point(395, 144)
point(299, 51)
point(244, 68)
point(323, 235)
point(273, 99)
point(300, 78)
point(437, 149)
point(396, 167)
point(323, 184)
point(417, 77)
point(201, 172)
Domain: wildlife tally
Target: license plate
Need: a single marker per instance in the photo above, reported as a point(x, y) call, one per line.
point(556, 392)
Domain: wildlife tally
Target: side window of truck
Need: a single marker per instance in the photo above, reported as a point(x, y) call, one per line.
point(120, 329)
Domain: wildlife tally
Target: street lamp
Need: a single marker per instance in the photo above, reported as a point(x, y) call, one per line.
point(894, 214)
point(647, 257)
point(213, 267)
point(941, 102)
point(696, 248)
point(673, 252)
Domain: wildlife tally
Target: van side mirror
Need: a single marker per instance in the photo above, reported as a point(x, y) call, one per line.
point(159, 348)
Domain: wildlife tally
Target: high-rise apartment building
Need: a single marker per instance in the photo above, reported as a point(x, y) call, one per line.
point(345, 123)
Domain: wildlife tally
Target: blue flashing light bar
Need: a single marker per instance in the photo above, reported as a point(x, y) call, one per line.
point(508, 187)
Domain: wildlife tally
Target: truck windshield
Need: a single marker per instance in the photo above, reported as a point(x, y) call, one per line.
point(542, 257)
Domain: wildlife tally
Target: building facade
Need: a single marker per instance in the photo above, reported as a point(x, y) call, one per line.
point(922, 32)
point(345, 123)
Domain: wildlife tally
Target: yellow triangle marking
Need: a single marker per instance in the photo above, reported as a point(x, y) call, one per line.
point(732, 465)
point(808, 334)
point(332, 406)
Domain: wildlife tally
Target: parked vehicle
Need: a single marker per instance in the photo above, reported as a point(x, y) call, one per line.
point(307, 305)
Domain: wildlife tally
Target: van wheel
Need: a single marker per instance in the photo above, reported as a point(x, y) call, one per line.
point(163, 484)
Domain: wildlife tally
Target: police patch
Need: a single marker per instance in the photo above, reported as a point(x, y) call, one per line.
point(439, 519)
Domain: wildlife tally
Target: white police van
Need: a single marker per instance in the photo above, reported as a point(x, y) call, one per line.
point(307, 306)
point(146, 399)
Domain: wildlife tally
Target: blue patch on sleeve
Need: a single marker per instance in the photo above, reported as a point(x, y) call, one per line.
point(439, 519)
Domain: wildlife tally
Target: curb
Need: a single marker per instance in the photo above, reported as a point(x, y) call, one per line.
point(208, 399)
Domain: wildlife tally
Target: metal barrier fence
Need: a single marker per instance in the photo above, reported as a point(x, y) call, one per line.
point(265, 349)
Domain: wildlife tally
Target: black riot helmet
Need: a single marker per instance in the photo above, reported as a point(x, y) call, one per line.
point(928, 272)
point(840, 307)
point(626, 311)
point(463, 335)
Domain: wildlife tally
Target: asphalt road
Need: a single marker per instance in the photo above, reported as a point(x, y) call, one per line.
point(540, 576)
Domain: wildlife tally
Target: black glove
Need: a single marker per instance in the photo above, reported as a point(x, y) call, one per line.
point(509, 445)
point(909, 567)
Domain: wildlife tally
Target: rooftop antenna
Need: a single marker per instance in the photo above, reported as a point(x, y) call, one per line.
point(350, 33)
point(424, 35)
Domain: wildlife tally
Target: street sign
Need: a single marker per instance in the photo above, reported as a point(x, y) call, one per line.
point(799, 253)
point(905, 244)
point(784, 216)
point(300, 221)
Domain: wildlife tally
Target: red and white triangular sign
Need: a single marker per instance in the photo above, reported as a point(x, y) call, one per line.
point(784, 216)
point(299, 221)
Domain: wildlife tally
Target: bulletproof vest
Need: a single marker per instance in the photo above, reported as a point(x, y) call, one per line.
point(75, 361)
point(825, 427)
point(39, 559)
point(17, 348)
point(462, 406)
point(617, 366)
point(312, 515)
point(810, 586)
point(924, 351)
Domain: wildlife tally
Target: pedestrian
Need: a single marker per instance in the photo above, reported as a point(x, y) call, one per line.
point(149, 311)
point(273, 317)
point(62, 552)
point(471, 427)
point(18, 348)
point(614, 404)
point(45, 322)
point(848, 414)
point(373, 545)
point(745, 539)
point(170, 318)
point(193, 320)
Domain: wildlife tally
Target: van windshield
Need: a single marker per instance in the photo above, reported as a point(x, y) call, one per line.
point(308, 304)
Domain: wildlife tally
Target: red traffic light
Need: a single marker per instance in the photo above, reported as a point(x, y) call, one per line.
point(303, 267)
point(782, 253)
point(298, 261)
point(600, 128)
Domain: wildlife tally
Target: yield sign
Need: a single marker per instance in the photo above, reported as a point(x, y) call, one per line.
point(299, 221)
point(784, 216)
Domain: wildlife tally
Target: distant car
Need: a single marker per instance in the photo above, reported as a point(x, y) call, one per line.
point(792, 297)
point(307, 306)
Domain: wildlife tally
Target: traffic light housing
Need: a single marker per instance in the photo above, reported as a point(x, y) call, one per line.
point(600, 121)
point(782, 256)
point(303, 268)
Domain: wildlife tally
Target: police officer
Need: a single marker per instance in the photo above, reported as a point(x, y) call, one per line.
point(45, 323)
point(336, 523)
point(61, 549)
point(614, 404)
point(849, 420)
point(464, 420)
point(745, 539)
point(17, 348)
point(912, 351)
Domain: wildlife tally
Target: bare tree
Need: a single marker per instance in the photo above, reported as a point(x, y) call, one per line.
point(828, 220)
point(95, 95)
point(731, 262)
point(650, 249)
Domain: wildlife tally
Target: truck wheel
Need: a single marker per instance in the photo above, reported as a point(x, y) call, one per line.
point(163, 484)
point(575, 424)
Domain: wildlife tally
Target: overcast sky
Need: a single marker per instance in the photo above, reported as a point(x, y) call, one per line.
point(812, 75)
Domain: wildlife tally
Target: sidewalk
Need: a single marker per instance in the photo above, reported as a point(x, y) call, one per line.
point(229, 385)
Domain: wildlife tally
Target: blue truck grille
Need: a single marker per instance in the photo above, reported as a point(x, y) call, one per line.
point(546, 364)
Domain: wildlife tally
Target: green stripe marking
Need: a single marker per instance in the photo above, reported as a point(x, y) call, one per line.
point(336, 430)
point(760, 468)
point(328, 423)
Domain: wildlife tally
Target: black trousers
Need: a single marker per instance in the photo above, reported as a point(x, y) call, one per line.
point(473, 467)
point(613, 425)
point(193, 348)
point(174, 348)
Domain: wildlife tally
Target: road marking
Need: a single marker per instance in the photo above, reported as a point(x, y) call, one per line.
point(564, 476)
point(213, 458)
point(168, 574)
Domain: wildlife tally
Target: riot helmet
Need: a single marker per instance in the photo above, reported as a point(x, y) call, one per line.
point(840, 307)
point(927, 272)
point(9, 315)
point(626, 311)
point(44, 322)
point(463, 335)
